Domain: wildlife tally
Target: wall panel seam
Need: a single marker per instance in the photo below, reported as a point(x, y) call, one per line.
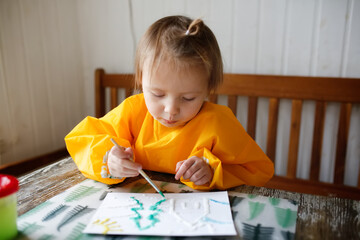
point(46, 70)
point(346, 39)
point(28, 81)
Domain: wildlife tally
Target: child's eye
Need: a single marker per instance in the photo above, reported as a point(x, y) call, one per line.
point(157, 95)
point(188, 99)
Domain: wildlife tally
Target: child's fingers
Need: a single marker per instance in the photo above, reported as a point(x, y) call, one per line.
point(202, 176)
point(120, 153)
point(123, 172)
point(131, 165)
point(203, 180)
point(184, 168)
point(120, 163)
point(130, 152)
point(123, 168)
point(178, 165)
point(194, 169)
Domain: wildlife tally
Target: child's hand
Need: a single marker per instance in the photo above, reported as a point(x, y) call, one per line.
point(120, 163)
point(195, 169)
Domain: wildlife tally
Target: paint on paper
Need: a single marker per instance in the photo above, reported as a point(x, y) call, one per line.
point(180, 214)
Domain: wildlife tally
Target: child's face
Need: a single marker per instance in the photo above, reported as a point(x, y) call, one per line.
point(174, 97)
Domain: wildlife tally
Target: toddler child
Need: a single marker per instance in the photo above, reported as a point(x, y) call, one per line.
point(170, 127)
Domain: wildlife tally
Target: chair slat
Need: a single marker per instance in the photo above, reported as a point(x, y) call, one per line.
point(113, 98)
point(341, 145)
point(272, 128)
point(99, 93)
point(251, 121)
point(317, 140)
point(294, 138)
point(232, 103)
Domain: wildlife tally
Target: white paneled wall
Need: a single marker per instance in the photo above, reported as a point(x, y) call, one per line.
point(42, 79)
point(49, 50)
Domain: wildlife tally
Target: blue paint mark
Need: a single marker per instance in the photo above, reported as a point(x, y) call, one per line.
point(216, 201)
point(206, 219)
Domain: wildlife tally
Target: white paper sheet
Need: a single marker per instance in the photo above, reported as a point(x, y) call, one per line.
point(181, 214)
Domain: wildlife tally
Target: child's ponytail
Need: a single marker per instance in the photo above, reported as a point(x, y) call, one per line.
point(194, 27)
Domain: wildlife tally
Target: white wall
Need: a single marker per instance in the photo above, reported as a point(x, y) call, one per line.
point(41, 76)
point(50, 49)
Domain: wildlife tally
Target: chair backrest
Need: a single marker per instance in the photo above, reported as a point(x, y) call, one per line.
point(322, 90)
point(114, 82)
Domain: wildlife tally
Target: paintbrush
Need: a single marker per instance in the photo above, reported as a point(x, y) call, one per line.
point(141, 171)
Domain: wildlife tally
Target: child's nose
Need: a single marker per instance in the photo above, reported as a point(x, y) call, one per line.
point(171, 107)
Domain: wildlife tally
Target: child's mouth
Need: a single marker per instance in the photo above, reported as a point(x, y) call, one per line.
point(169, 122)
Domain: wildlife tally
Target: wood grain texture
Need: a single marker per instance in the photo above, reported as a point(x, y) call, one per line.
point(232, 103)
point(272, 128)
point(113, 98)
point(313, 187)
point(317, 140)
point(294, 138)
point(341, 144)
point(41, 185)
point(252, 115)
point(99, 93)
point(318, 217)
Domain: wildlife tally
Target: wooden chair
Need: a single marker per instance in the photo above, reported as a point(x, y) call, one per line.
point(114, 82)
point(298, 89)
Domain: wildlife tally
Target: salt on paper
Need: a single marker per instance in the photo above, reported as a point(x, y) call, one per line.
point(180, 214)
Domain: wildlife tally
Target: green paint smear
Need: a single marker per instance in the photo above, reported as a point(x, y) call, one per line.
point(274, 201)
point(80, 193)
point(29, 228)
point(36, 209)
point(155, 206)
point(151, 217)
point(285, 217)
point(256, 209)
point(77, 232)
point(252, 196)
point(47, 237)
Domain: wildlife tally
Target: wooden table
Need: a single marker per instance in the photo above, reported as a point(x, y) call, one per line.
point(318, 217)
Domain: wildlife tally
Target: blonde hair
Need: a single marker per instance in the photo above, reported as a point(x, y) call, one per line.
point(184, 42)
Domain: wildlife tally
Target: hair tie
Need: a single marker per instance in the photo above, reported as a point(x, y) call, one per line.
point(187, 32)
